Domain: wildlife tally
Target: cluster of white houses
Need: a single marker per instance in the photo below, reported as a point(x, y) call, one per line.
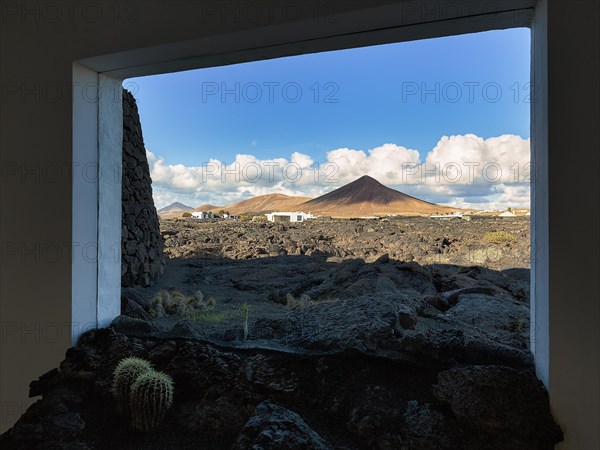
point(203, 215)
point(212, 215)
point(271, 217)
point(300, 216)
point(467, 214)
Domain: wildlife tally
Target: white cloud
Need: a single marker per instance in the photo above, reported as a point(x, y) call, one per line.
point(463, 170)
point(383, 163)
point(470, 159)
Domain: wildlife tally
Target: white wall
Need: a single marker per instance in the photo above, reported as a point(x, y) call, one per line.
point(84, 269)
point(110, 148)
point(566, 142)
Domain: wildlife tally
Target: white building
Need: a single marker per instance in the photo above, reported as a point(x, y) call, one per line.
point(289, 217)
point(454, 215)
point(203, 215)
point(507, 214)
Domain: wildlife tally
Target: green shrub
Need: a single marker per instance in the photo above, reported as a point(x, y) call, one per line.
point(167, 303)
point(209, 317)
point(126, 373)
point(499, 237)
point(151, 397)
point(186, 214)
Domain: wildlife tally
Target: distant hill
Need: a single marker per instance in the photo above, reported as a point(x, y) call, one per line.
point(174, 209)
point(266, 204)
point(363, 197)
point(206, 208)
point(368, 197)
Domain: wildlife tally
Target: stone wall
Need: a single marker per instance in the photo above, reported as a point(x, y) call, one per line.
point(142, 259)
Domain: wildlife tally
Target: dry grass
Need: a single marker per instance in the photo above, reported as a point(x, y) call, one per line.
point(499, 237)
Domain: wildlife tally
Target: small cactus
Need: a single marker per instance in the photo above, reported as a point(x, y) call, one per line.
point(199, 296)
point(181, 306)
point(195, 303)
point(176, 304)
point(151, 396)
point(166, 298)
point(127, 371)
point(157, 311)
point(160, 303)
point(211, 303)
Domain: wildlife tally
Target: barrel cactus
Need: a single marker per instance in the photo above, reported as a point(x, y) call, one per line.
point(151, 396)
point(127, 371)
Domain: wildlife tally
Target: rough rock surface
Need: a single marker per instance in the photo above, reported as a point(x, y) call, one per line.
point(390, 326)
point(363, 335)
point(344, 400)
point(474, 396)
point(142, 258)
point(419, 239)
point(274, 427)
point(431, 315)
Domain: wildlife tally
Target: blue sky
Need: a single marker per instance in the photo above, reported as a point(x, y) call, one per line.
point(358, 99)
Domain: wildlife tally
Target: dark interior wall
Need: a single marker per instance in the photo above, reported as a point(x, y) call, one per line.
point(142, 259)
point(573, 128)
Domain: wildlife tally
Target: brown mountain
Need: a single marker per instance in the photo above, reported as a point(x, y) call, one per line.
point(368, 197)
point(206, 208)
point(174, 210)
point(266, 204)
